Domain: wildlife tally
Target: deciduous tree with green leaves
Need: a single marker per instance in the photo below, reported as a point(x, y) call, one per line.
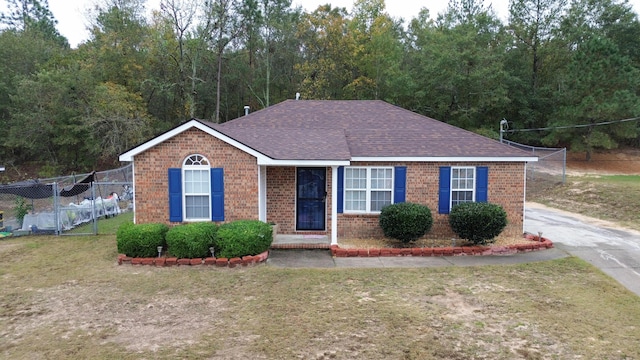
point(377, 52)
point(327, 53)
point(117, 120)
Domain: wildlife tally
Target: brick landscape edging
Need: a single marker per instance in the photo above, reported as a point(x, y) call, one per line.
point(210, 261)
point(537, 243)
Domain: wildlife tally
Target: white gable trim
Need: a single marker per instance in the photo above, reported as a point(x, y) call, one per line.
point(265, 160)
point(128, 156)
point(447, 159)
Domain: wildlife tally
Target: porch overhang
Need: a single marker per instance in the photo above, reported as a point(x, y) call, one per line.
point(448, 159)
point(306, 163)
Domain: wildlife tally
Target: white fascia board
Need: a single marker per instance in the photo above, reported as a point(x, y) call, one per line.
point(306, 163)
point(447, 159)
point(128, 156)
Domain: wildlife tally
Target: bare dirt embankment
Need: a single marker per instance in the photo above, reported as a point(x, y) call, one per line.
point(590, 189)
point(610, 162)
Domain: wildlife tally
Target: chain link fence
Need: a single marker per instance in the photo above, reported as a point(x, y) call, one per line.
point(551, 167)
point(57, 205)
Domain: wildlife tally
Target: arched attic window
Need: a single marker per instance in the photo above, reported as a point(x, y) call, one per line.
point(196, 175)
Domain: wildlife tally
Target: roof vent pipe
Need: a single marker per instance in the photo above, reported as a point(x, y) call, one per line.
point(297, 96)
point(246, 110)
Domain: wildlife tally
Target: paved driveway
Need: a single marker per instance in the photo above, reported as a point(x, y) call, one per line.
point(614, 250)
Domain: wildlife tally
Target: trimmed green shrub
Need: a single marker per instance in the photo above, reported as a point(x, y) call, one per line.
point(141, 240)
point(243, 237)
point(191, 240)
point(405, 221)
point(478, 222)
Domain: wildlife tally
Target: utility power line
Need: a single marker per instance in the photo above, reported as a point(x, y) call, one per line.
point(574, 126)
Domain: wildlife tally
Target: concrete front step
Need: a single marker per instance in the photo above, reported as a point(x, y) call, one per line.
point(299, 241)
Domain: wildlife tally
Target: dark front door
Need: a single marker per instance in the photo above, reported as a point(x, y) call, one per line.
point(311, 196)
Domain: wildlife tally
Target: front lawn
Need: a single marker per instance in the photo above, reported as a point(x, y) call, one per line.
point(66, 297)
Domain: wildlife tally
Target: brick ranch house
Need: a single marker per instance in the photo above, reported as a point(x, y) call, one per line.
point(323, 168)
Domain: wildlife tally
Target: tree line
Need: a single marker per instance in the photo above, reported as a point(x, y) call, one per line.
point(561, 65)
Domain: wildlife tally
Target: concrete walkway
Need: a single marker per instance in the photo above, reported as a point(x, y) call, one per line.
point(296, 258)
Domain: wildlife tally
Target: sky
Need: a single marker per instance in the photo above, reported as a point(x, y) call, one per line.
point(72, 21)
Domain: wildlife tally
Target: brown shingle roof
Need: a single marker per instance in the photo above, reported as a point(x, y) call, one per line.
point(343, 129)
point(294, 144)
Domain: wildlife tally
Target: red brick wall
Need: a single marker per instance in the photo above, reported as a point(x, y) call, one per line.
point(506, 188)
point(281, 198)
point(151, 179)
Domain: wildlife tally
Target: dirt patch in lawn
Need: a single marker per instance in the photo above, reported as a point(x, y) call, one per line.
point(136, 325)
point(7, 247)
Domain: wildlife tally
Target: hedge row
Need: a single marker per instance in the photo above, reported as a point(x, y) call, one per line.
point(141, 240)
point(193, 240)
point(477, 222)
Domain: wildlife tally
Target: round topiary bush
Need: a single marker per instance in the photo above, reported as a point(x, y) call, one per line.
point(140, 240)
point(191, 240)
point(478, 222)
point(243, 237)
point(405, 221)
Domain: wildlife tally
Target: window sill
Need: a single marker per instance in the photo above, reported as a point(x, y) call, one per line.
point(361, 213)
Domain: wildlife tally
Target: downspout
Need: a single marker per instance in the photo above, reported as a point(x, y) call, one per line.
point(334, 205)
point(262, 193)
point(133, 189)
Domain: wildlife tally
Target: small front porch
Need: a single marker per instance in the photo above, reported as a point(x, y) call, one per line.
point(302, 201)
point(301, 241)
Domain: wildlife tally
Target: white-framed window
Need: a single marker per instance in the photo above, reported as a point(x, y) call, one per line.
point(196, 188)
point(367, 189)
point(463, 185)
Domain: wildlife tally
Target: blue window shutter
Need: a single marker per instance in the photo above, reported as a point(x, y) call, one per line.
point(400, 184)
point(482, 183)
point(340, 189)
point(175, 195)
point(444, 198)
point(217, 194)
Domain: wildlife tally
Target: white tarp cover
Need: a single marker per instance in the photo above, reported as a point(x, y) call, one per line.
point(72, 215)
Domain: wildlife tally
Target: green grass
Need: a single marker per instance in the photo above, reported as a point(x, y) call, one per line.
point(611, 197)
point(66, 297)
point(631, 179)
point(105, 225)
